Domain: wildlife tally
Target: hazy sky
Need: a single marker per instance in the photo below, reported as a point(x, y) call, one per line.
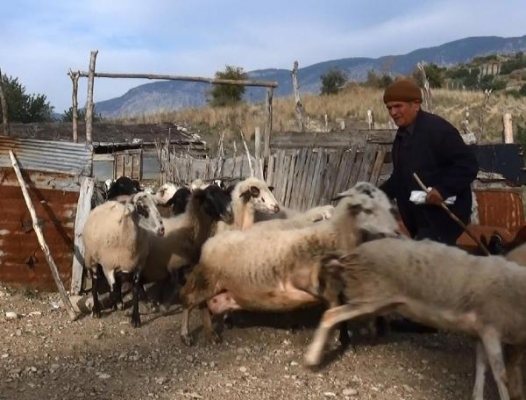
point(41, 40)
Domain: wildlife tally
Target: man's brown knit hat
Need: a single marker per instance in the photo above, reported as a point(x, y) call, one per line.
point(402, 90)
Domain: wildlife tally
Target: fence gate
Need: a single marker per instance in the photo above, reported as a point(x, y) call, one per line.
point(128, 163)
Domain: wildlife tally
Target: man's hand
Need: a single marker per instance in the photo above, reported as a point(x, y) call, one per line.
point(434, 197)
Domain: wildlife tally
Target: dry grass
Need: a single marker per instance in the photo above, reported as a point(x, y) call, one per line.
point(351, 105)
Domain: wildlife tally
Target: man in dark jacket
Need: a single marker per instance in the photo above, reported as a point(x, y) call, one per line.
point(433, 148)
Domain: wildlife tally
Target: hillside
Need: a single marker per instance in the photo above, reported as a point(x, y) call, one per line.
point(174, 95)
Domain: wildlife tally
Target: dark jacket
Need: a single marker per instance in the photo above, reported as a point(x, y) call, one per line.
point(436, 152)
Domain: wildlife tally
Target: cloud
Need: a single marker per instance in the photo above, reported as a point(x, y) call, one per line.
point(42, 40)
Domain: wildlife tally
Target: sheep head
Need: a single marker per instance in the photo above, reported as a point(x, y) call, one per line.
point(370, 208)
point(256, 192)
point(215, 202)
point(142, 206)
point(165, 193)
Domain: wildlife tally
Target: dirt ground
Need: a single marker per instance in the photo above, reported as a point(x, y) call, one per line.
point(45, 356)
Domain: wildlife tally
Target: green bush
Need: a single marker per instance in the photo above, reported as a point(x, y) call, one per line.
point(333, 81)
point(224, 94)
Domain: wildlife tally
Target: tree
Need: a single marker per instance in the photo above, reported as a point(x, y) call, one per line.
point(434, 74)
point(81, 115)
point(226, 95)
point(378, 81)
point(23, 107)
point(332, 81)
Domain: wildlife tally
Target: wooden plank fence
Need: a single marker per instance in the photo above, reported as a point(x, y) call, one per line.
point(183, 170)
point(307, 177)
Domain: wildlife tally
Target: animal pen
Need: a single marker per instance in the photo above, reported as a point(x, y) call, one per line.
point(306, 170)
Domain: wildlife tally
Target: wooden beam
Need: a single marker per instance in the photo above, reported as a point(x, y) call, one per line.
point(54, 270)
point(89, 103)
point(83, 210)
point(270, 84)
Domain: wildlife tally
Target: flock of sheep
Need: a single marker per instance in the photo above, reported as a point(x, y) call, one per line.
point(222, 249)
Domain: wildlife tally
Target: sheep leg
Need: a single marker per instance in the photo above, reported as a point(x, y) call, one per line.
point(186, 338)
point(337, 315)
point(493, 348)
point(480, 371)
point(513, 359)
point(135, 316)
point(116, 293)
point(208, 329)
point(95, 311)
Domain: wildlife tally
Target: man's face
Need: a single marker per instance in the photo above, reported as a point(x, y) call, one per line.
point(403, 113)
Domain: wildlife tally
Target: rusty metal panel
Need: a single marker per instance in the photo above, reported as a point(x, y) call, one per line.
point(22, 261)
point(500, 207)
point(47, 156)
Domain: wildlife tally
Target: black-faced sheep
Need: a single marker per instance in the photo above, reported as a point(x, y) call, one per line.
point(123, 186)
point(270, 269)
point(185, 234)
point(429, 283)
point(115, 237)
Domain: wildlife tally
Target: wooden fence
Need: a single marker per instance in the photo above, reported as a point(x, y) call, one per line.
point(308, 171)
point(307, 177)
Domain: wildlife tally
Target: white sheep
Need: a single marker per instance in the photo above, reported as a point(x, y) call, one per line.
point(270, 269)
point(430, 283)
point(115, 236)
point(248, 197)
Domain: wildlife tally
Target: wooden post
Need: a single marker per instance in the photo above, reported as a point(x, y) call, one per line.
point(508, 127)
point(268, 128)
point(370, 119)
point(427, 89)
point(83, 210)
point(299, 107)
point(326, 119)
point(3, 102)
point(342, 125)
point(54, 271)
point(89, 102)
point(74, 103)
point(257, 151)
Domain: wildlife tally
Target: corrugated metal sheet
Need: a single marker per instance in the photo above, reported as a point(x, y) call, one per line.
point(22, 261)
point(501, 207)
point(47, 156)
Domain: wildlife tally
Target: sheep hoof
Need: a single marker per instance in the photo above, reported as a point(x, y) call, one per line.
point(187, 340)
point(96, 314)
point(136, 322)
point(311, 361)
point(213, 337)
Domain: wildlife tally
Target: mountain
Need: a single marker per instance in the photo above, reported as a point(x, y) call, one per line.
point(173, 95)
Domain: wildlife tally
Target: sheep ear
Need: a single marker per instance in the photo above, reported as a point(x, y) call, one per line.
point(245, 195)
point(355, 209)
point(271, 188)
point(337, 197)
point(129, 208)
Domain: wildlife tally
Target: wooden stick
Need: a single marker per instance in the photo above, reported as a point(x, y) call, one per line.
point(248, 153)
point(54, 271)
point(74, 103)
point(454, 217)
